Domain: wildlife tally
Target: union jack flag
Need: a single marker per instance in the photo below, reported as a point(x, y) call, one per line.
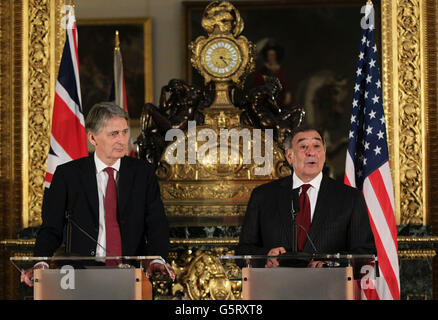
point(367, 167)
point(68, 139)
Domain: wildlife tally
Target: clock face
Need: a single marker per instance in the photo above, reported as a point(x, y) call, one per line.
point(221, 57)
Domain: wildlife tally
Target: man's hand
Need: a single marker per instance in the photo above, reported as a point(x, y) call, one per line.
point(157, 269)
point(27, 275)
point(316, 264)
point(272, 262)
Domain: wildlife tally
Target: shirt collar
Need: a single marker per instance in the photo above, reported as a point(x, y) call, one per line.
point(100, 165)
point(315, 182)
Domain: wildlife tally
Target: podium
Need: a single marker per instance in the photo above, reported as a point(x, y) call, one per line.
point(338, 277)
point(88, 278)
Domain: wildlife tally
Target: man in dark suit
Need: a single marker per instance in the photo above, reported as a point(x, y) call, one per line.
point(113, 200)
point(337, 217)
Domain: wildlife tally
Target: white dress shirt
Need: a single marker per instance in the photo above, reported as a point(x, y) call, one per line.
point(312, 192)
point(102, 180)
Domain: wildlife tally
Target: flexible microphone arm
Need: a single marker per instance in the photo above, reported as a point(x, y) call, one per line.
point(308, 238)
point(90, 237)
point(69, 217)
point(70, 222)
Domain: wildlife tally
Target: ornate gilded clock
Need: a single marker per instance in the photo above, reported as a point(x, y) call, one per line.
point(225, 57)
point(221, 57)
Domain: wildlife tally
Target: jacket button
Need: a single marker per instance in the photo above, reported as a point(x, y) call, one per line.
point(92, 253)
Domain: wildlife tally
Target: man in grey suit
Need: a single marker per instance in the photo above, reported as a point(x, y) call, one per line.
point(337, 217)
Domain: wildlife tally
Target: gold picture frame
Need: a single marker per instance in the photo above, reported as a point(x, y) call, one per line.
point(96, 49)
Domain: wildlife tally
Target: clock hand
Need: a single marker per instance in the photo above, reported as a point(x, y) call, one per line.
point(224, 60)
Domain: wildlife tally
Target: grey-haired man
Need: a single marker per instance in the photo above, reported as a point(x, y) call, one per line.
point(106, 181)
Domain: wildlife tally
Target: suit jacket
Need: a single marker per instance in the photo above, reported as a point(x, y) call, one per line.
point(340, 222)
point(143, 225)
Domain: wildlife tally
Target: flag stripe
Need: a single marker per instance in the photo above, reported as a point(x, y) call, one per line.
point(386, 251)
point(59, 156)
point(75, 58)
point(349, 172)
point(381, 226)
point(66, 73)
point(74, 107)
point(380, 190)
point(65, 119)
point(373, 294)
point(387, 180)
point(370, 294)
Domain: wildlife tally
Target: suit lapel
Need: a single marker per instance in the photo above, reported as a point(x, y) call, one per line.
point(124, 185)
point(320, 214)
point(90, 186)
point(284, 207)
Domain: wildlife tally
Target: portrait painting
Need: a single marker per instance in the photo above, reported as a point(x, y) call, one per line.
point(312, 46)
point(96, 61)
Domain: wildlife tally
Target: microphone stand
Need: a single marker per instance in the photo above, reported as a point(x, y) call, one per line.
point(294, 214)
point(294, 210)
point(69, 232)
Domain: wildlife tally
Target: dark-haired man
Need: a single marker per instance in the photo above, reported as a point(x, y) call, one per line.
point(334, 215)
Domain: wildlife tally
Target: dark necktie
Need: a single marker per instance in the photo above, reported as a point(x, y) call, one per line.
point(113, 238)
point(303, 218)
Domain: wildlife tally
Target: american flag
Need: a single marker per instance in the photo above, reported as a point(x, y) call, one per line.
point(119, 87)
point(367, 167)
point(68, 139)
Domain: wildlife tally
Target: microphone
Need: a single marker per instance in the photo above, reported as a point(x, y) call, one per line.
point(295, 209)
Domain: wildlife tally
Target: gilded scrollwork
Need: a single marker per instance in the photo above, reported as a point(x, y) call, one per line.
point(200, 210)
point(417, 254)
point(42, 20)
point(191, 191)
point(223, 17)
point(411, 127)
point(39, 101)
point(201, 276)
point(210, 169)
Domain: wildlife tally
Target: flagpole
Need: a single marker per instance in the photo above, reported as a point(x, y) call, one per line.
point(117, 41)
